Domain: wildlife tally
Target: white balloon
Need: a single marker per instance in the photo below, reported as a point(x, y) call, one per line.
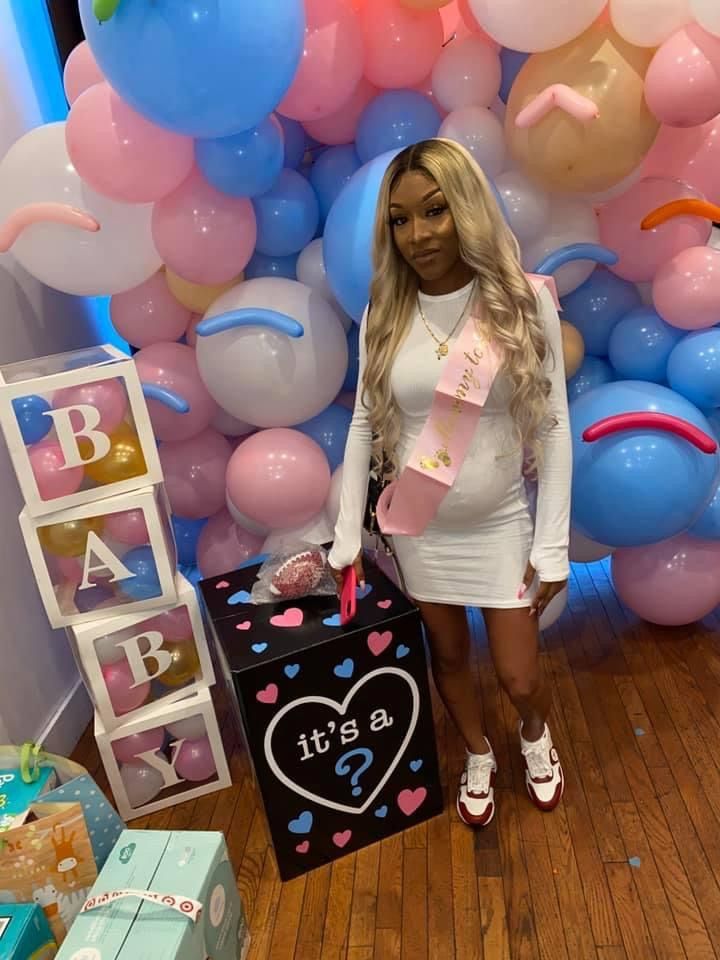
point(585, 550)
point(554, 610)
point(527, 205)
point(571, 220)
point(121, 255)
point(230, 426)
point(191, 728)
point(707, 14)
point(310, 270)
point(533, 25)
point(317, 531)
point(245, 522)
point(266, 377)
point(107, 649)
point(480, 131)
point(332, 504)
point(141, 781)
point(467, 73)
point(617, 189)
point(648, 23)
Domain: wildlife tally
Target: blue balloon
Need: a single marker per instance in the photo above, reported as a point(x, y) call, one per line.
point(295, 141)
point(597, 305)
point(395, 119)
point(287, 216)
point(693, 369)
point(353, 370)
point(30, 413)
point(593, 373)
point(329, 430)
point(329, 174)
point(245, 164)
point(145, 583)
point(186, 537)
point(637, 486)
point(640, 345)
point(347, 241)
point(511, 62)
point(204, 69)
point(262, 266)
point(707, 527)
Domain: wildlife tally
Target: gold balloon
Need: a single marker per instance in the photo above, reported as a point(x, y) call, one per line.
point(68, 539)
point(424, 4)
point(185, 663)
point(563, 153)
point(573, 348)
point(197, 297)
point(124, 461)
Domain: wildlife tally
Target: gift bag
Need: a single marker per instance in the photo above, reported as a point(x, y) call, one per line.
point(74, 784)
point(49, 860)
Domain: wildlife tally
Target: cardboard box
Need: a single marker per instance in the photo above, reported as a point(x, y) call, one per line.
point(136, 663)
point(108, 557)
point(25, 933)
point(162, 895)
point(338, 721)
point(77, 428)
point(16, 796)
point(172, 754)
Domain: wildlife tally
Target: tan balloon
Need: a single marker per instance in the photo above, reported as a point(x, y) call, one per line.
point(424, 4)
point(573, 348)
point(563, 153)
point(195, 296)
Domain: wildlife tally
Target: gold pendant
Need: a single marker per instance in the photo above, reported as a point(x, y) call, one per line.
point(442, 351)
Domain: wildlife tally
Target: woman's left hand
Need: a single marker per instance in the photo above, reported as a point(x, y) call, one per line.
point(546, 591)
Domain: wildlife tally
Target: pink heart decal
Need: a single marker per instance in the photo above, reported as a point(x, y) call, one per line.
point(291, 618)
point(268, 695)
point(378, 642)
point(411, 800)
point(384, 604)
point(303, 847)
point(245, 625)
point(222, 585)
point(342, 839)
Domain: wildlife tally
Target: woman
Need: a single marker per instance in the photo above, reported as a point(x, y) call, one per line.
point(446, 267)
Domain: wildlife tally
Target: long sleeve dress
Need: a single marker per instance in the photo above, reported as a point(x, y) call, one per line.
point(475, 551)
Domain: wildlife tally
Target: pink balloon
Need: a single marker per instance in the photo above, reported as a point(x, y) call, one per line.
point(454, 24)
point(119, 681)
point(194, 472)
point(691, 156)
point(175, 625)
point(127, 527)
point(223, 545)
point(682, 83)
point(109, 398)
point(672, 583)
point(203, 235)
point(642, 251)
point(190, 335)
point(47, 462)
point(339, 127)
point(81, 72)
point(686, 289)
point(69, 569)
point(126, 749)
point(426, 88)
point(173, 366)
point(332, 61)
point(121, 154)
point(278, 478)
point(149, 313)
point(401, 45)
point(195, 761)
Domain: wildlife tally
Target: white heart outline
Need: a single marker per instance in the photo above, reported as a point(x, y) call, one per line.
point(341, 709)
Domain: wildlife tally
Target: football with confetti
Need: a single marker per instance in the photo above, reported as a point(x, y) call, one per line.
point(299, 575)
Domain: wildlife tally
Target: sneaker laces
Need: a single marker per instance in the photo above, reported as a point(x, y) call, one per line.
point(479, 768)
point(537, 757)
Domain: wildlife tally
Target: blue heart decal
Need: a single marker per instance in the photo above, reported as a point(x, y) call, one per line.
point(333, 621)
point(415, 765)
point(292, 670)
point(402, 651)
point(242, 596)
point(635, 862)
point(381, 812)
point(363, 592)
point(303, 824)
point(259, 647)
point(345, 669)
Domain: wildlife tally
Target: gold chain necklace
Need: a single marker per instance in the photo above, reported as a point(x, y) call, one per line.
point(442, 345)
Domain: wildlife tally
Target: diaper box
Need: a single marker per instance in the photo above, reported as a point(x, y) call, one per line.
point(25, 933)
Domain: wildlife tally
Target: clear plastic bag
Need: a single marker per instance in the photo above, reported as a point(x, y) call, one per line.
point(298, 570)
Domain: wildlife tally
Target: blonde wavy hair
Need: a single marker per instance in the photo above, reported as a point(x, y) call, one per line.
point(507, 302)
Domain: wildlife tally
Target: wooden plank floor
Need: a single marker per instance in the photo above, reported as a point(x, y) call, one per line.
point(627, 868)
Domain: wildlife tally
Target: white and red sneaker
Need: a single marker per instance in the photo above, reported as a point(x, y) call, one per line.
point(543, 774)
point(476, 796)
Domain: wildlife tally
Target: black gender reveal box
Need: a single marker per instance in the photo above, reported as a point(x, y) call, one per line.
point(338, 721)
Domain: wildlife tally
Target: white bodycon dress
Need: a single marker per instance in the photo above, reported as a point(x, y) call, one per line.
point(475, 551)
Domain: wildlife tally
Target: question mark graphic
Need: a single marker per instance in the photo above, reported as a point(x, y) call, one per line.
point(342, 768)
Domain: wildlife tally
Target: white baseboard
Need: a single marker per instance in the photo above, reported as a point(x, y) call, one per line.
point(68, 722)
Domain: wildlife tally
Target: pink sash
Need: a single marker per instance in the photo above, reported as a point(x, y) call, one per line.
point(410, 503)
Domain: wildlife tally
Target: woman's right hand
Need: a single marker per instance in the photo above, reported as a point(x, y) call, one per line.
point(359, 573)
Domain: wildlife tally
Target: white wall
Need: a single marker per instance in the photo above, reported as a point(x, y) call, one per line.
point(40, 691)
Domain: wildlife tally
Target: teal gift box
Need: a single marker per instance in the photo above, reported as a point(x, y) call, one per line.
point(25, 933)
point(162, 895)
point(16, 796)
